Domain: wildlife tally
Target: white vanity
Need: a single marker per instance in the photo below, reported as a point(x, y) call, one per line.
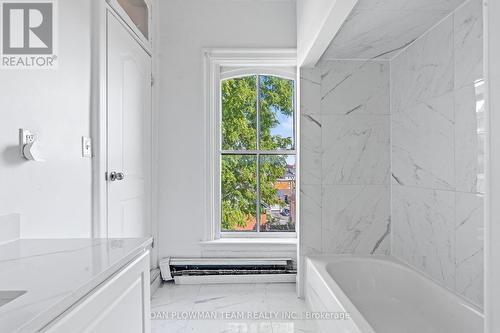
point(75, 285)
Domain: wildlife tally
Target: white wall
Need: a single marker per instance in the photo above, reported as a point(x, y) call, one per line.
point(187, 26)
point(53, 198)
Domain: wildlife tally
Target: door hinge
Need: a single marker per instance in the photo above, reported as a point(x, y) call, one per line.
point(152, 80)
point(153, 243)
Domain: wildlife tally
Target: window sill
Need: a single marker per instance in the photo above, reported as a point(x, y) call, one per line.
point(250, 247)
point(251, 241)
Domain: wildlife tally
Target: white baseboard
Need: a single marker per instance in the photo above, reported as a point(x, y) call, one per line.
point(220, 279)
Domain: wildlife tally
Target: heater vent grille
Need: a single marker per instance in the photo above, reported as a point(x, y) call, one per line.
point(230, 266)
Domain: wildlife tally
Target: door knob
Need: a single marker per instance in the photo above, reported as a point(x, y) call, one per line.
point(113, 176)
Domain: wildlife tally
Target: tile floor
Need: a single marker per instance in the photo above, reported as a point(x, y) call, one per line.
point(271, 307)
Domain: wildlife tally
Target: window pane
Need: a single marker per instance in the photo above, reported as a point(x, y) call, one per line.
point(276, 112)
point(277, 192)
point(239, 115)
point(137, 10)
point(239, 192)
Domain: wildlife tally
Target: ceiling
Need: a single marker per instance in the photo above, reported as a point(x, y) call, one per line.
point(378, 29)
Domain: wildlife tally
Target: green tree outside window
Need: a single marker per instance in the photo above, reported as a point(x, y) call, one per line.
point(239, 133)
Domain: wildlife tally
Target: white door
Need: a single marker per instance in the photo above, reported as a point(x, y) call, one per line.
point(129, 134)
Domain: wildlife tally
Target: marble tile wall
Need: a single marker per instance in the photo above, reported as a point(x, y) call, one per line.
point(355, 172)
point(345, 158)
point(379, 29)
point(310, 234)
point(437, 155)
point(310, 163)
point(392, 157)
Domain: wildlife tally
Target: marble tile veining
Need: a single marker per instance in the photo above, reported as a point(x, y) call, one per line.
point(279, 298)
point(468, 37)
point(355, 87)
point(469, 246)
point(418, 74)
point(438, 146)
point(310, 144)
point(416, 6)
point(356, 149)
point(351, 130)
point(379, 34)
point(310, 123)
point(382, 28)
point(356, 219)
point(423, 144)
point(310, 216)
point(310, 91)
point(424, 230)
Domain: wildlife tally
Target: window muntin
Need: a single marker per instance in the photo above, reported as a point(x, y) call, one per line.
point(257, 154)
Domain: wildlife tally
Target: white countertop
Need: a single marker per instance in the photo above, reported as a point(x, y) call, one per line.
point(55, 274)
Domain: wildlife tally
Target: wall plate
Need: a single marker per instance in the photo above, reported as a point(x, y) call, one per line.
point(86, 147)
point(25, 137)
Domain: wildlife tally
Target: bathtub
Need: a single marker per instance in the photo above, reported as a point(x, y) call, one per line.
point(383, 295)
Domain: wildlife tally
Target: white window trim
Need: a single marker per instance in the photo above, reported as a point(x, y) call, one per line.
point(270, 61)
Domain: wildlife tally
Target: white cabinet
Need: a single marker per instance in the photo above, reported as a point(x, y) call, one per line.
point(121, 304)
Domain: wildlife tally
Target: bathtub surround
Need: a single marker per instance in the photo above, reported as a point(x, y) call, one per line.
point(392, 157)
point(346, 157)
point(437, 134)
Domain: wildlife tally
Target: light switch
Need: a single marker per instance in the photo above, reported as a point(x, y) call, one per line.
point(86, 147)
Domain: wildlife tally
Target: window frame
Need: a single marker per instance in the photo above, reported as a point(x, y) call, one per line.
point(226, 64)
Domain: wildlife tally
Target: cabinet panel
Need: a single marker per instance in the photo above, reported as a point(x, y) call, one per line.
point(121, 304)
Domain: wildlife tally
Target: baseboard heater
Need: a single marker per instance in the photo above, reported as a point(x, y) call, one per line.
point(227, 270)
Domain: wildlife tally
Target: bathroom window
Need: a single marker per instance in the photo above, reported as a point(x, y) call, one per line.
point(256, 154)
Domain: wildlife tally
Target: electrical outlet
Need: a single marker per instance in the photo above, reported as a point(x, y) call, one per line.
point(86, 147)
point(29, 138)
point(25, 137)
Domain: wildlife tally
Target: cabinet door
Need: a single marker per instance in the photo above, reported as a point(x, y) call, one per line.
point(121, 304)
